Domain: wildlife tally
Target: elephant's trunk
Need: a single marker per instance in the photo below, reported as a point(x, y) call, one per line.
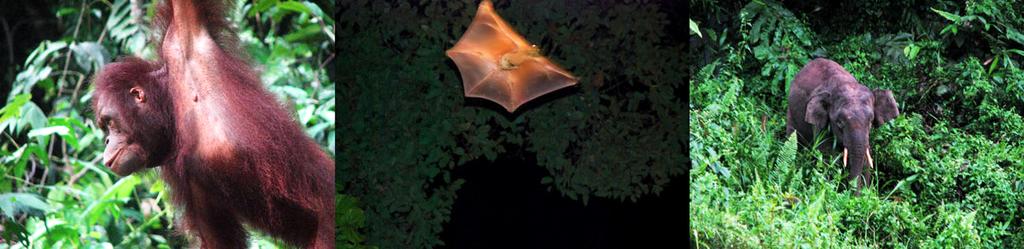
point(871, 162)
point(855, 158)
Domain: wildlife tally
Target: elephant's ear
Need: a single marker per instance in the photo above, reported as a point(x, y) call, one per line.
point(817, 107)
point(885, 107)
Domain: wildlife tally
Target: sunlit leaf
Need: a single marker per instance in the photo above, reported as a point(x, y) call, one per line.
point(15, 203)
point(45, 131)
point(947, 15)
point(694, 29)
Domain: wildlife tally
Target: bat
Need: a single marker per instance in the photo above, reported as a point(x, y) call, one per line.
point(499, 65)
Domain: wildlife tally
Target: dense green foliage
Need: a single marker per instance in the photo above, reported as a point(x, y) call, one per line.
point(55, 192)
point(949, 171)
point(617, 135)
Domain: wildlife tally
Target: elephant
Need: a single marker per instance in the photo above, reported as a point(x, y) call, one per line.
point(824, 93)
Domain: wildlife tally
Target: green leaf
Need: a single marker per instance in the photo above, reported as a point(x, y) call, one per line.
point(755, 30)
point(60, 130)
point(317, 129)
point(117, 193)
point(1014, 35)
point(294, 6)
point(304, 33)
point(306, 113)
point(992, 66)
point(13, 109)
point(39, 56)
point(947, 15)
point(949, 28)
point(64, 11)
point(694, 29)
point(490, 155)
point(262, 5)
point(89, 54)
point(315, 10)
point(787, 155)
point(32, 116)
point(16, 203)
point(911, 50)
point(327, 115)
point(294, 92)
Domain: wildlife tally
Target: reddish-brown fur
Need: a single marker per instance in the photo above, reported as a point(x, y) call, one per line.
point(230, 153)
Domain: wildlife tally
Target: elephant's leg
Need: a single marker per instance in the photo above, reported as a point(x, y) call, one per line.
point(789, 129)
point(805, 135)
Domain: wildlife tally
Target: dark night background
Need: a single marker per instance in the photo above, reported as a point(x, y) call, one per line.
point(597, 165)
point(23, 25)
point(502, 206)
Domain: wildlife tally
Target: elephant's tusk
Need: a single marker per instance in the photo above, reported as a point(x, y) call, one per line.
point(871, 163)
point(844, 157)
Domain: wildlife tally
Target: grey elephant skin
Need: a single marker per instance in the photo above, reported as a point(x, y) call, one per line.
point(823, 94)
